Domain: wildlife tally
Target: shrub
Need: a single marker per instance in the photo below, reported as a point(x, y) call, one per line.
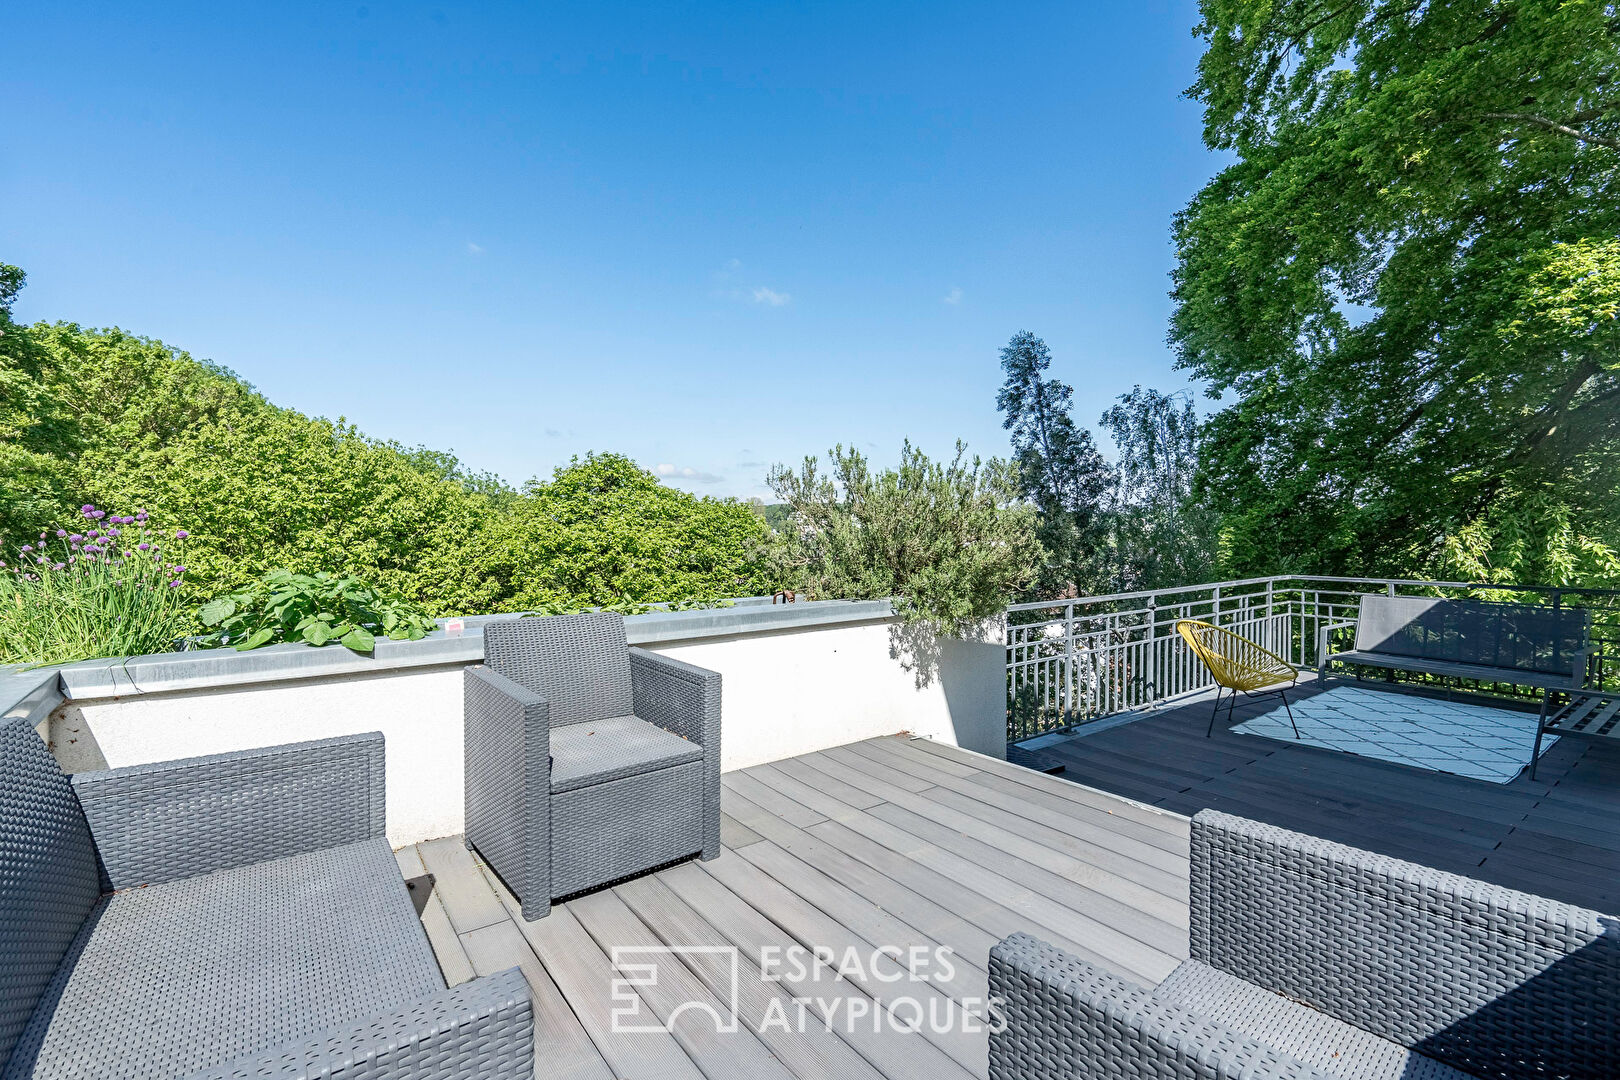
point(111, 590)
point(311, 608)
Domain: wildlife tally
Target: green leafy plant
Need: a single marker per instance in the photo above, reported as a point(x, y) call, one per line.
point(107, 586)
point(315, 609)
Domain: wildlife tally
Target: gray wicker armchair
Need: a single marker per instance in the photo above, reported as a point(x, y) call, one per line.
point(587, 761)
point(228, 916)
point(1311, 959)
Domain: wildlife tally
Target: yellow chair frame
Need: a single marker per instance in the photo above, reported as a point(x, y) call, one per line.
point(1238, 664)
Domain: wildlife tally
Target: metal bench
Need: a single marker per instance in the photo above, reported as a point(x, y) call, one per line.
point(1585, 716)
point(1522, 644)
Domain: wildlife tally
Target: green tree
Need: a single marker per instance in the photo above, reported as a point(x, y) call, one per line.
point(1161, 531)
point(952, 542)
point(1408, 277)
point(38, 432)
point(1059, 468)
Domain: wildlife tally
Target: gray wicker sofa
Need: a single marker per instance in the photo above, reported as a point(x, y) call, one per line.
point(228, 916)
point(586, 761)
point(1314, 960)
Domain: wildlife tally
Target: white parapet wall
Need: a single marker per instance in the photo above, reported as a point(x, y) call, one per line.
point(795, 679)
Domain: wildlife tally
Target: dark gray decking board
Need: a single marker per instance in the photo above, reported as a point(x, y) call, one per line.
point(1556, 836)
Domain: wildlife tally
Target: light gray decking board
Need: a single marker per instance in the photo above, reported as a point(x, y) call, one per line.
point(560, 1041)
point(458, 882)
point(1145, 822)
point(1151, 918)
point(585, 976)
point(813, 1051)
point(960, 764)
point(864, 917)
point(916, 908)
point(447, 948)
point(804, 772)
point(1041, 782)
point(898, 777)
point(735, 1055)
point(734, 834)
point(1095, 868)
point(976, 907)
point(812, 927)
point(1143, 843)
point(898, 1055)
point(749, 786)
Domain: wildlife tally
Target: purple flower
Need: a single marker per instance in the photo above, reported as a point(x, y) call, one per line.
point(61, 566)
point(143, 547)
point(179, 569)
point(28, 547)
point(174, 584)
point(86, 508)
point(76, 539)
point(61, 533)
point(112, 532)
point(98, 514)
point(91, 548)
point(181, 534)
point(42, 536)
point(140, 515)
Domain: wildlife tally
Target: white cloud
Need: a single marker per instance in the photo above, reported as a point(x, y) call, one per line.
point(474, 249)
point(953, 297)
point(770, 297)
point(686, 472)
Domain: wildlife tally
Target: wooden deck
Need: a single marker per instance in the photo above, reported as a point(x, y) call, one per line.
point(1557, 836)
point(889, 843)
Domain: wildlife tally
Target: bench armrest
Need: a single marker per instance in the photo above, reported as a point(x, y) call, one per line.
point(1322, 633)
point(685, 699)
point(1063, 1017)
point(480, 1030)
point(178, 819)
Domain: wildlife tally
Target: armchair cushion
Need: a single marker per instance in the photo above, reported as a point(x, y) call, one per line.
point(594, 753)
point(1330, 1045)
point(165, 980)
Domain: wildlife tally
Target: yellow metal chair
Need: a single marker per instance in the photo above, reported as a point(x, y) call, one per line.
point(1238, 664)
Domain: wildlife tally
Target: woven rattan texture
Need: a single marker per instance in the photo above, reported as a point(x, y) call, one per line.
point(172, 978)
point(1067, 1019)
point(624, 827)
point(1315, 1038)
point(480, 1030)
point(1495, 982)
point(506, 732)
point(578, 664)
point(603, 750)
point(685, 699)
point(558, 807)
point(177, 819)
point(49, 882)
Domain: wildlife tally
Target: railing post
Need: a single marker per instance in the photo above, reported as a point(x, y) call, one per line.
point(1215, 616)
point(1153, 649)
point(1068, 664)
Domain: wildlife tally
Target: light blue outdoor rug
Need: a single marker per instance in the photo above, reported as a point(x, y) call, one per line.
point(1476, 741)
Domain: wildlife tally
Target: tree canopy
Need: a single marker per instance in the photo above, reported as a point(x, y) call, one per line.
point(1409, 279)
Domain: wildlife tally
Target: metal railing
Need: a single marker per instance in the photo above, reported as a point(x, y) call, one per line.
point(1070, 662)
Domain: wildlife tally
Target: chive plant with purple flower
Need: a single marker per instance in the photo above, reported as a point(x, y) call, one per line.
point(71, 598)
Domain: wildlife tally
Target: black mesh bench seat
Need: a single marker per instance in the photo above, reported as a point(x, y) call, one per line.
point(1321, 1041)
point(224, 917)
point(168, 979)
point(1522, 644)
point(1517, 676)
point(594, 753)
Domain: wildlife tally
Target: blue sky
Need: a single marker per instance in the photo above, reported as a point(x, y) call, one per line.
point(710, 236)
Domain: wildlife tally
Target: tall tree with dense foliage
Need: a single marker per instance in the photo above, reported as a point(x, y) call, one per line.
point(1409, 278)
point(950, 541)
point(1059, 469)
point(1161, 530)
